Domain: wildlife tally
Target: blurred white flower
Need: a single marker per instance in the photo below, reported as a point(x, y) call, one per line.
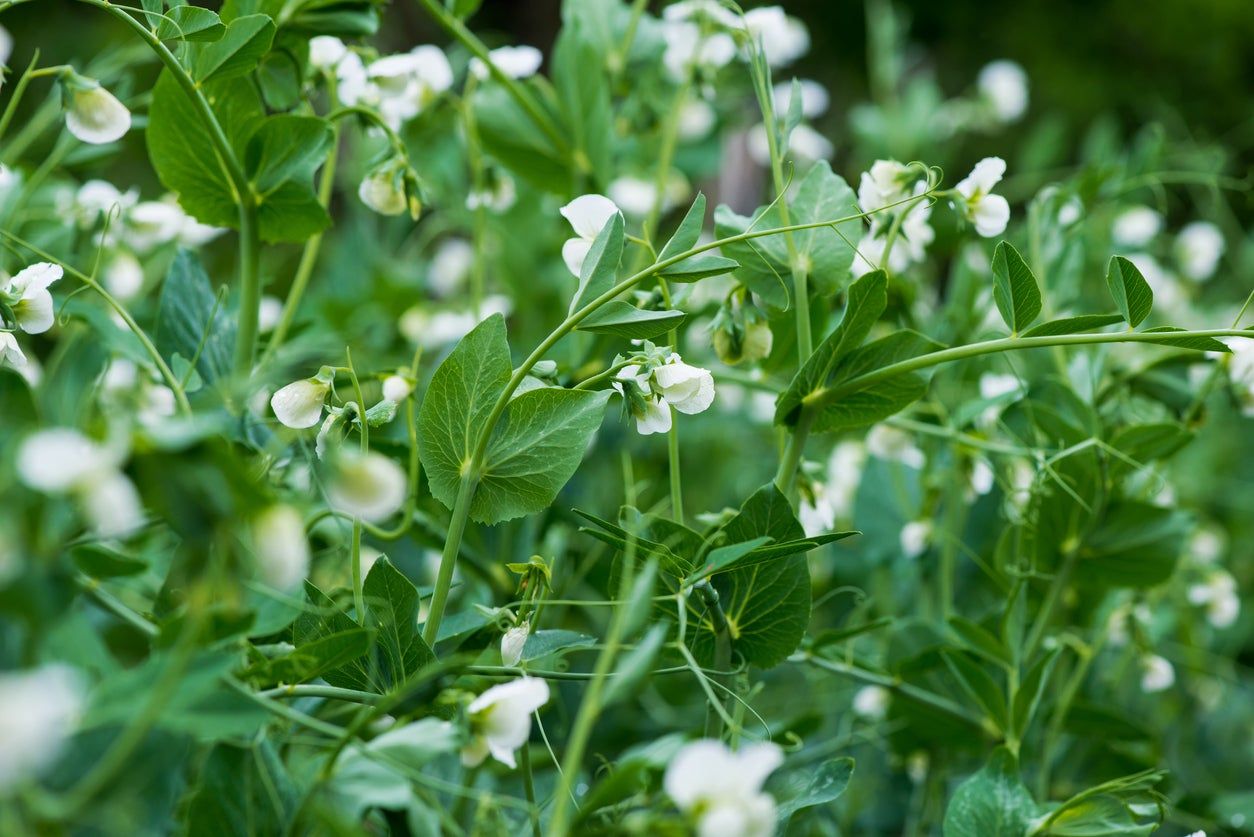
point(60, 460)
point(39, 711)
point(814, 98)
point(816, 513)
point(299, 404)
point(871, 702)
point(281, 546)
point(1157, 674)
point(697, 118)
point(27, 296)
point(92, 114)
point(10, 352)
point(408, 82)
point(326, 52)
point(353, 84)
point(1124, 619)
point(1070, 212)
point(512, 643)
point(396, 388)
point(1198, 249)
point(499, 196)
point(1218, 593)
point(588, 215)
point(916, 537)
point(517, 62)
point(6, 46)
point(367, 485)
point(1004, 85)
point(99, 197)
point(893, 445)
point(500, 720)
point(1136, 226)
point(123, 275)
point(722, 790)
point(150, 224)
point(269, 312)
point(635, 196)
point(450, 266)
point(989, 213)
point(1206, 545)
point(983, 478)
point(386, 189)
point(688, 46)
point(1241, 372)
point(804, 143)
point(784, 39)
point(844, 476)
point(439, 328)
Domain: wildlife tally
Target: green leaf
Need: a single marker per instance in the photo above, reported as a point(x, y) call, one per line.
point(992, 803)
point(1131, 292)
point(237, 52)
point(981, 642)
point(190, 23)
point(688, 233)
point(868, 297)
point(634, 666)
point(797, 790)
point(640, 597)
point(100, 560)
point(1199, 344)
point(287, 148)
point(600, 266)
point(317, 657)
point(241, 790)
point(866, 404)
point(182, 154)
point(623, 319)
point(700, 266)
point(979, 685)
point(513, 138)
point(392, 608)
point(323, 619)
point(1135, 545)
point(535, 451)
point(583, 94)
point(543, 643)
point(1031, 689)
point(1073, 325)
point(724, 557)
point(1014, 288)
point(191, 322)
point(536, 446)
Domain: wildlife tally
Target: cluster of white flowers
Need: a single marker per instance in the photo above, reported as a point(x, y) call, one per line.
point(831, 500)
point(398, 86)
point(437, 329)
point(721, 790)
point(1217, 592)
point(61, 460)
point(703, 34)
point(27, 298)
point(39, 711)
point(662, 383)
point(500, 720)
point(885, 190)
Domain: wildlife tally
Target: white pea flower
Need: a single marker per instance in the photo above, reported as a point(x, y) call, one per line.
point(269, 312)
point(500, 720)
point(281, 546)
point(299, 404)
point(1070, 212)
point(689, 389)
point(1198, 248)
point(722, 790)
point(1218, 593)
point(698, 10)
point(884, 184)
point(635, 196)
point(871, 702)
point(588, 215)
point(28, 297)
point(150, 224)
point(517, 62)
point(396, 388)
point(92, 114)
point(983, 477)
point(353, 84)
point(988, 212)
point(450, 266)
point(512, 643)
point(656, 418)
point(816, 512)
point(499, 196)
point(10, 352)
point(697, 118)
point(784, 39)
point(916, 537)
point(408, 82)
point(688, 46)
point(1004, 85)
point(1136, 226)
point(99, 197)
point(39, 711)
point(326, 52)
point(1157, 674)
point(61, 460)
point(844, 476)
point(383, 190)
point(123, 276)
point(6, 46)
point(893, 445)
point(367, 485)
point(814, 98)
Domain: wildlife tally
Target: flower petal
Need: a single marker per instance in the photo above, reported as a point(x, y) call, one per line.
point(588, 214)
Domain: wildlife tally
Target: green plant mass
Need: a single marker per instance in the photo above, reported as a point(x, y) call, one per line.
point(613, 417)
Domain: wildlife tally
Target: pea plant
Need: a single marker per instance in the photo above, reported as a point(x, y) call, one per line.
point(473, 439)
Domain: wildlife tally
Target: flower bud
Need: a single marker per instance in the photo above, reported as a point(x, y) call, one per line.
point(367, 485)
point(299, 404)
point(396, 388)
point(512, 644)
point(92, 114)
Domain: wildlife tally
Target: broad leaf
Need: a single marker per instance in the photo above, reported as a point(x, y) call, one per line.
point(688, 233)
point(1015, 290)
point(855, 403)
point(979, 685)
point(287, 148)
point(543, 643)
point(1197, 344)
point(1135, 545)
point(992, 803)
point(192, 323)
point(392, 609)
point(1131, 292)
point(190, 23)
point(700, 266)
point(600, 266)
point(237, 52)
point(797, 790)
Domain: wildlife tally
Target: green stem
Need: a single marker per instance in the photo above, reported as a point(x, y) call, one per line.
point(790, 462)
point(529, 788)
point(906, 690)
point(330, 692)
point(672, 451)
point(448, 558)
point(16, 96)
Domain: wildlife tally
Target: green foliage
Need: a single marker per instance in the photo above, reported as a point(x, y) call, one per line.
point(1015, 290)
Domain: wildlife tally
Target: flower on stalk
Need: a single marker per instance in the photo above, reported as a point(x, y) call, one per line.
point(500, 720)
point(588, 215)
point(92, 114)
point(883, 193)
point(516, 62)
point(281, 546)
point(10, 352)
point(512, 643)
point(299, 404)
point(367, 485)
point(721, 790)
point(1004, 85)
point(26, 295)
point(391, 189)
point(39, 710)
point(988, 212)
point(61, 460)
point(689, 389)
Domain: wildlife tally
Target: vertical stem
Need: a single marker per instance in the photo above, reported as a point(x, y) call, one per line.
point(448, 559)
point(359, 596)
point(529, 787)
point(249, 286)
point(786, 476)
point(677, 493)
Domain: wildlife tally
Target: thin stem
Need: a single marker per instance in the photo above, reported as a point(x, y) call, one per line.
point(672, 455)
point(448, 559)
point(529, 788)
point(318, 691)
point(16, 96)
point(790, 462)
